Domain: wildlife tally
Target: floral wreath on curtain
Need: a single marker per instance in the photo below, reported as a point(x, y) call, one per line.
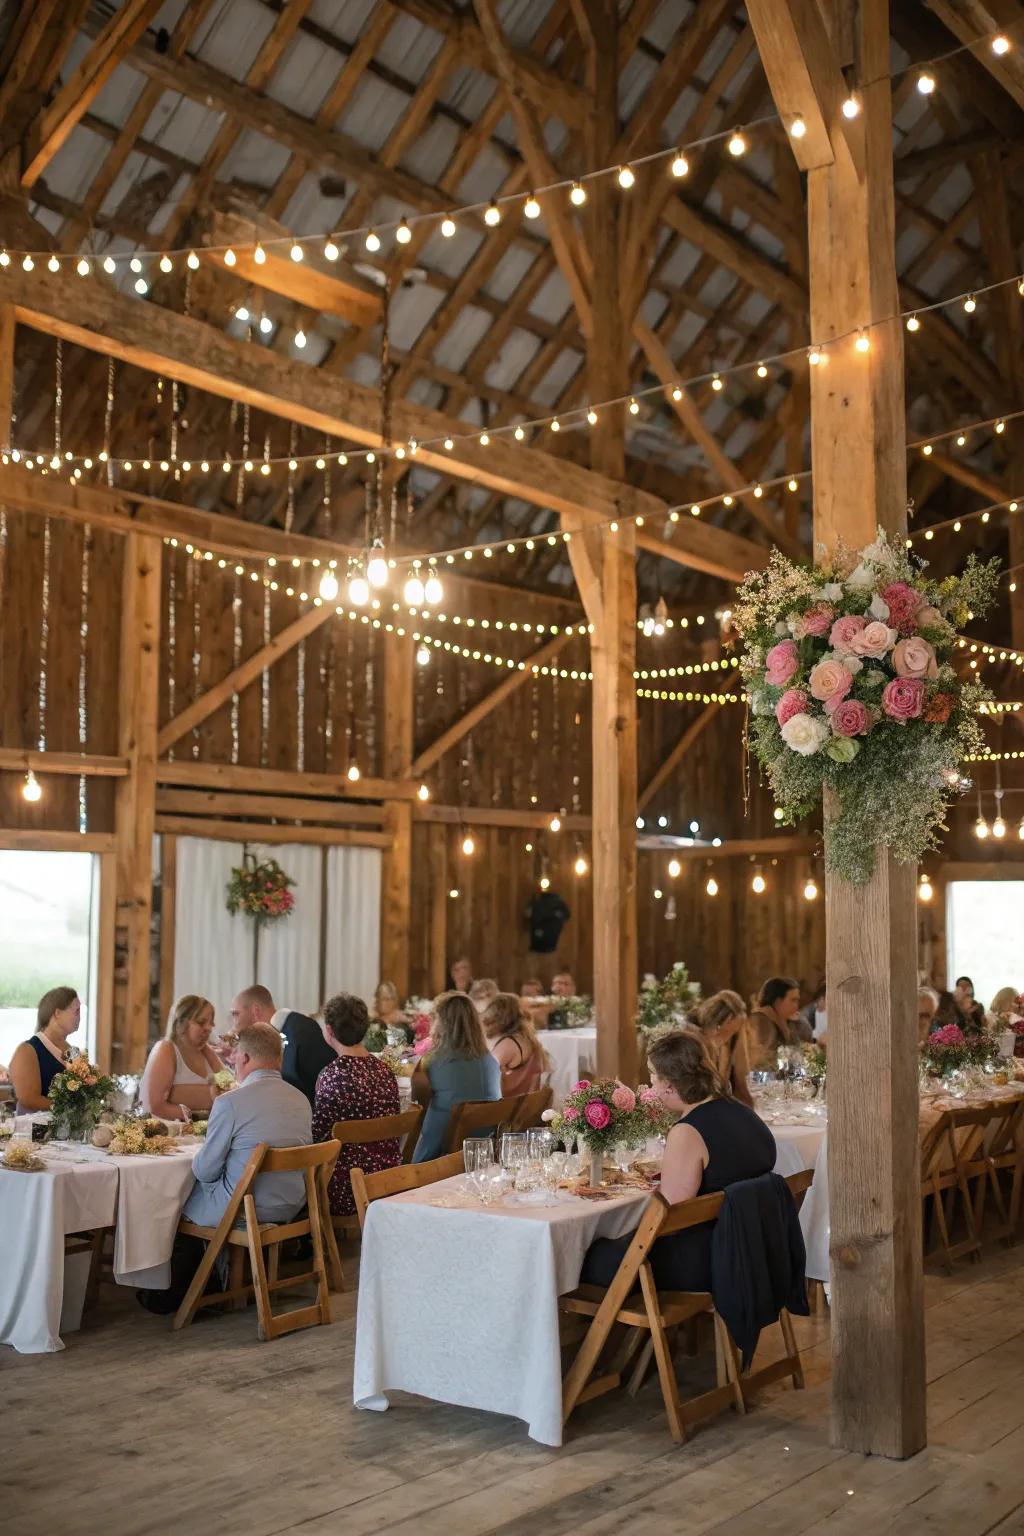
point(259, 888)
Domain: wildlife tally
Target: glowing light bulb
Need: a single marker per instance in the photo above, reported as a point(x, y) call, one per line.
point(83, 268)
point(28, 264)
point(716, 383)
point(377, 570)
point(492, 214)
point(758, 885)
point(925, 83)
point(109, 266)
point(970, 304)
point(192, 261)
point(300, 339)
point(31, 790)
point(372, 241)
point(626, 177)
point(423, 793)
point(545, 883)
point(810, 891)
point(578, 195)
point(913, 323)
point(592, 417)
point(358, 591)
point(229, 257)
point(555, 824)
point(296, 252)
point(999, 826)
point(141, 286)
point(468, 845)
point(433, 591)
point(531, 207)
point(680, 166)
point(403, 234)
point(675, 869)
point(1000, 44)
point(863, 342)
point(241, 313)
point(634, 407)
point(981, 828)
point(53, 264)
point(712, 886)
point(580, 865)
point(353, 774)
point(762, 370)
point(413, 592)
point(423, 656)
point(448, 226)
point(924, 890)
point(266, 325)
point(851, 107)
point(331, 251)
point(328, 586)
point(797, 128)
point(737, 145)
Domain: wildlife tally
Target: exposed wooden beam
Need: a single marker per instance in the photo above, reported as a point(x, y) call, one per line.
point(723, 554)
point(496, 816)
point(956, 469)
point(223, 803)
point(973, 22)
point(266, 832)
point(76, 95)
point(531, 665)
point(315, 284)
point(731, 250)
point(678, 752)
point(15, 838)
point(17, 760)
point(235, 776)
point(241, 676)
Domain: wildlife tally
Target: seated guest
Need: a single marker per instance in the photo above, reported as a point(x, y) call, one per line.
point(534, 987)
point(776, 1020)
point(457, 1069)
point(815, 1015)
point(37, 1061)
point(179, 1073)
point(387, 1011)
point(946, 1012)
point(562, 987)
point(927, 1005)
point(514, 1045)
point(722, 1022)
point(1006, 1002)
point(262, 1108)
point(306, 1052)
point(460, 975)
point(356, 1086)
point(970, 1014)
point(482, 994)
point(714, 1143)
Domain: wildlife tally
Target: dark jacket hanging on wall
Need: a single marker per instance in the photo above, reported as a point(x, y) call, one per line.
point(757, 1259)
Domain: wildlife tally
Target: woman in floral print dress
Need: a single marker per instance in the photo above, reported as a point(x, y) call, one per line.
point(357, 1086)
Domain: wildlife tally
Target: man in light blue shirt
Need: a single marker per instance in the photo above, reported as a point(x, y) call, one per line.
point(262, 1108)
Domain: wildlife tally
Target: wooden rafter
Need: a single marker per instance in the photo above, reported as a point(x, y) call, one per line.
point(675, 757)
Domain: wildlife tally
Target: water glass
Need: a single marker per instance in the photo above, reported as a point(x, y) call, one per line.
point(553, 1168)
point(514, 1149)
point(477, 1152)
point(539, 1141)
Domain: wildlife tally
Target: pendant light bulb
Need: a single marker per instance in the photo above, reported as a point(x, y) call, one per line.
point(758, 885)
point(377, 569)
point(468, 845)
point(423, 656)
point(413, 592)
point(712, 886)
point(328, 586)
point(433, 591)
point(581, 865)
point(924, 890)
point(32, 790)
point(359, 590)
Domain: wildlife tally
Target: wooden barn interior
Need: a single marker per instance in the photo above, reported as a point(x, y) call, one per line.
point(557, 305)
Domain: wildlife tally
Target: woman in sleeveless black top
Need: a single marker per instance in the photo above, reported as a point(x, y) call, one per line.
point(37, 1061)
point(715, 1142)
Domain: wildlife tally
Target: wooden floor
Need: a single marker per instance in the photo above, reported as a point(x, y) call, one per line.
point(133, 1430)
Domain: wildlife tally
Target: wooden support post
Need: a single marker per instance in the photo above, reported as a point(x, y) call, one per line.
point(859, 459)
point(605, 566)
point(135, 806)
point(396, 881)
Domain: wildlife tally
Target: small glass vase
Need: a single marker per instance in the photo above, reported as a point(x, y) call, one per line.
point(73, 1126)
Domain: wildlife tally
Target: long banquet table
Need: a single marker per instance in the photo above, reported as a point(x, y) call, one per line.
point(572, 1053)
point(82, 1188)
point(459, 1302)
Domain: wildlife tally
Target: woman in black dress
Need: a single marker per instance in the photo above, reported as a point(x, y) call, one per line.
point(37, 1061)
point(715, 1142)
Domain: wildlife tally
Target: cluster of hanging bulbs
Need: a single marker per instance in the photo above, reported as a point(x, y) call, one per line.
point(371, 575)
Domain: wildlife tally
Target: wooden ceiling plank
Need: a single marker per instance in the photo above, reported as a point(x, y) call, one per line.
point(972, 23)
point(668, 767)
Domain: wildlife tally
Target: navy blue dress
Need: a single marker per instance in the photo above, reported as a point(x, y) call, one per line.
point(740, 1146)
point(49, 1066)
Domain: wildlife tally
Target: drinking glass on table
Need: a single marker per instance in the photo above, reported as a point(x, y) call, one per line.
point(539, 1141)
point(477, 1152)
point(514, 1150)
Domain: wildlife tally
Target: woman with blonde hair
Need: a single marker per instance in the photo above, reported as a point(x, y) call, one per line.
point(722, 1022)
point(514, 1045)
point(457, 1069)
point(179, 1073)
point(716, 1141)
point(1006, 1001)
point(37, 1061)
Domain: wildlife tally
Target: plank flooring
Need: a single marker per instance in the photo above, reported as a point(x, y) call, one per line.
point(134, 1430)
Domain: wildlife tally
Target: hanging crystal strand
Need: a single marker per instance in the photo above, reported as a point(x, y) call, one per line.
point(58, 399)
point(349, 703)
point(172, 633)
point(326, 512)
point(83, 642)
point(575, 751)
point(44, 635)
point(236, 656)
point(289, 512)
point(534, 737)
point(194, 573)
point(464, 753)
point(300, 703)
point(174, 429)
point(240, 483)
point(408, 506)
point(108, 420)
point(370, 702)
point(265, 685)
point(328, 671)
point(266, 449)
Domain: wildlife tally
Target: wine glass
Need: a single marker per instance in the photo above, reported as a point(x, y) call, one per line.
point(477, 1152)
point(514, 1149)
point(539, 1142)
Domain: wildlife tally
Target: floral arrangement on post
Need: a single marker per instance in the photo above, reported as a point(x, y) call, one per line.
point(947, 1049)
point(605, 1112)
point(847, 670)
point(259, 889)
point(77, 1098)
point(666, 1002)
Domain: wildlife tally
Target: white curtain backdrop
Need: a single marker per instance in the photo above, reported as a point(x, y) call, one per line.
point(352, 921)
point(289, 950)
point(213, 951)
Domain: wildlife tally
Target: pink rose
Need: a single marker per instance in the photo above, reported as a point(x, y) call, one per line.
point(844, 631)
point(874, 640)
point(904, 603)
point(830, 680)
point(581, 1086)
point(649, 1097)
point(624, 1098)
point(815, 621)
point(793, 702)
point(781, 663)
point(914, 657)
point(597, 1115)
point(421, 1025)
point(903, 699)
point(850, 718)
point(930, 618)
point(570, 1113)
point(422, 1046)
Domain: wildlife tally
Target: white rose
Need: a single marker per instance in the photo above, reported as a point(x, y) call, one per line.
point(832, 591)
point(782, 628)
point(878, 551)
point(805, 734)
point(851, 663)
point(862, 578)
point(879, 608)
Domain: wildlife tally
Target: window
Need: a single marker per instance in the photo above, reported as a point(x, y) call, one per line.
point(985, 935)
point(49, 905)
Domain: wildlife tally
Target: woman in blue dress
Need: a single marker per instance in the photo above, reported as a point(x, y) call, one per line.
point(36, 1062)
point(458, 1068)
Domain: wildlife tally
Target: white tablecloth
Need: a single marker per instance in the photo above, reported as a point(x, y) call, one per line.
point(461, 1305)
point(82, 1188)
point(803, 1145)
point(573, 1054)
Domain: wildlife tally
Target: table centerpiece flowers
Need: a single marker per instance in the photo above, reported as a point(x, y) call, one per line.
point(604, 1113)
point(77, 1097)
point(948, 1050)
point(665, 1003)
point(848, 673)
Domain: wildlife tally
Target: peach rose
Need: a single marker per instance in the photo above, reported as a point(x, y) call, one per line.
point(793, 702)
point(930, 618)
point(830, 680)
point(874, 640)
point(914, 657)
point(781, 663)
point(845, 631)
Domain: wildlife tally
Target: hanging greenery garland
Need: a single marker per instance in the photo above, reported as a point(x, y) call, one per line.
point(260, 889)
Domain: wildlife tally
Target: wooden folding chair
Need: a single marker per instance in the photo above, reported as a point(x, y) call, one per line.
point(655, 1313)
point(948, 1148)
point(477, 1115)
point(361, 1133)
point(531, 1107)
point(315, 1163)
point(368, 1187)
point(1001, 1149)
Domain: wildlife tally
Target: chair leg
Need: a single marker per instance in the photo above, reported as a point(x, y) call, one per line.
point(727, 1353)
point(323, 1299)
point(236, 1278)
point(187, 1310)
point(662, 1354)
point(792, 1352)
point(265, 1316)
point(940, 1219)
point(641, 1368)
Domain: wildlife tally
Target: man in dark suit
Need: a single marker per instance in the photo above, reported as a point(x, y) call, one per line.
point(306, 1052)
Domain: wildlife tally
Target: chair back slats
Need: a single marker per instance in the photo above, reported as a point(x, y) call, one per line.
point(531, 1107)
point(476, 1115)
point(360, 1133)
point(294, 1159)
point(367, 1187)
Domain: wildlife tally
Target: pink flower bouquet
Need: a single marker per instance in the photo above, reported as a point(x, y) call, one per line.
point(849, 673)
point(604, 1112)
